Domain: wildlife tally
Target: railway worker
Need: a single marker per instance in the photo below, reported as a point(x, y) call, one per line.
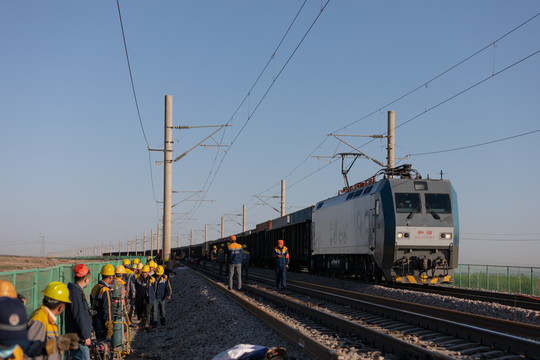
point(14, 342)
point(145, 295)
point(100, 298)
point(78, 319)
point(246, 257)
point(126, 263)
point(163, 292)
point(235, 262)
point(130, 299)
point(281, 261)
point(213, 257)
point(13, 330)
point(42, 325)
point(221, 258)
point(152, 265)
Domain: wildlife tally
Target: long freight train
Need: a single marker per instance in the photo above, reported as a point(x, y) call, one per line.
point(400, 228)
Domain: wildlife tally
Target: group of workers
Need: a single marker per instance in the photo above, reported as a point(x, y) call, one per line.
point(236, 258)
point(143, 288)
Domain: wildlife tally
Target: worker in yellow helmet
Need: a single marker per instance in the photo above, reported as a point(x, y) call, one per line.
point(145, 295)
point(100, 298)
point(163, 292)
point(43, 326)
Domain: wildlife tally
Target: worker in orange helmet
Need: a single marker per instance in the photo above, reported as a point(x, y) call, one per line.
point(281, 261)
point(235, 262)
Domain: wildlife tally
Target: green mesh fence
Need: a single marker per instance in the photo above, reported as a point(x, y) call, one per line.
point(30, 283)
point(512, 279)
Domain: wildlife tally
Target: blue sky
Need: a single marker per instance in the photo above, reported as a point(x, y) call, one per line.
point(75, 165)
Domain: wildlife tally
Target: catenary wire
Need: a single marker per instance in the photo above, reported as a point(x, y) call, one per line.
point(475, 145)
point(135, 98)
point(409, 93)
point(208, 185)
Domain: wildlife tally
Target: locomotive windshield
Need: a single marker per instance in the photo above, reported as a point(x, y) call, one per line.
point(438, 203)
point(407, 202)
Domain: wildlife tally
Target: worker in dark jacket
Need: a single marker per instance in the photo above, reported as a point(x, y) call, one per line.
point(78, 319)
point(100, 297)
point(235, 262)
point(221, 258)
point(163, 292)
point(281, 262)
point(246, 257)
point(145, 295)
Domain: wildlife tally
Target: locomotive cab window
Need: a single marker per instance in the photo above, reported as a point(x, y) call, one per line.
point(407, 202)
point(438, 203)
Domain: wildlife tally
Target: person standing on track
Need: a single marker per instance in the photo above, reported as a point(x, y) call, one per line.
point(78, 319)
point(235, 262)
point(213, 257)
point(246, 257)
point(281, 261)
point(221, 258)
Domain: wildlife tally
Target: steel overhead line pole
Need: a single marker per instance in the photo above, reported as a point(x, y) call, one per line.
point(391, 142)
point(167, 178)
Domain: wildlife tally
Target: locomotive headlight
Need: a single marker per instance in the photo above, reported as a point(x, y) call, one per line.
point(402, 235)
point(446, 236)
point(399, 235)
point(406, 235)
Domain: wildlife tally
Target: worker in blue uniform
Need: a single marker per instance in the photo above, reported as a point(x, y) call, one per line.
point(235, 262)
point(163, 292)
point(281, 262)
point(78, 319)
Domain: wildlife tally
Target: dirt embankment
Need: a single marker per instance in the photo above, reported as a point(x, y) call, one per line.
point(14, 262)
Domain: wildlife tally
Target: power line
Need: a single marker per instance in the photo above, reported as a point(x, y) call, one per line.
point(135, 98)
point(411, 92)
point(475, 145)
point(208, 183)
point(130, 73)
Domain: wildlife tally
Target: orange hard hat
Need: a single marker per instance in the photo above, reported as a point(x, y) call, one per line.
point(7, 289)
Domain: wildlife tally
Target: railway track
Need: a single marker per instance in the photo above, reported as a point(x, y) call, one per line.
point(516, 300)
point(403, 329)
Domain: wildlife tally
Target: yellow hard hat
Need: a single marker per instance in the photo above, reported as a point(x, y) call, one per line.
point(160, 271)
point(133, 266)
point(214, 247)
point(7, 289)
point(146, 269)
point(166, 259)
point(152, 264)
point(126, 262)
point(136, 261)
point(140, 266)
point(107, 270)
point(120, 269)
point(57, 291)
point(244, 246)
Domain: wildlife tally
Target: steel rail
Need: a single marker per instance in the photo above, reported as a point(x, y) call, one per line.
point(509, 299)
point(378, 339)
point(307, 345)
point(501, 334)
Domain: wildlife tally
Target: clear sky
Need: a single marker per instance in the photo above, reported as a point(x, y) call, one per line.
point(76, 172)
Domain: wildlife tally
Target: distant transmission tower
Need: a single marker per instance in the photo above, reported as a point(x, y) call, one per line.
point(42, 251)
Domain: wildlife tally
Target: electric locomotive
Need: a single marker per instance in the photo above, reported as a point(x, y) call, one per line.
point(402, 227)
